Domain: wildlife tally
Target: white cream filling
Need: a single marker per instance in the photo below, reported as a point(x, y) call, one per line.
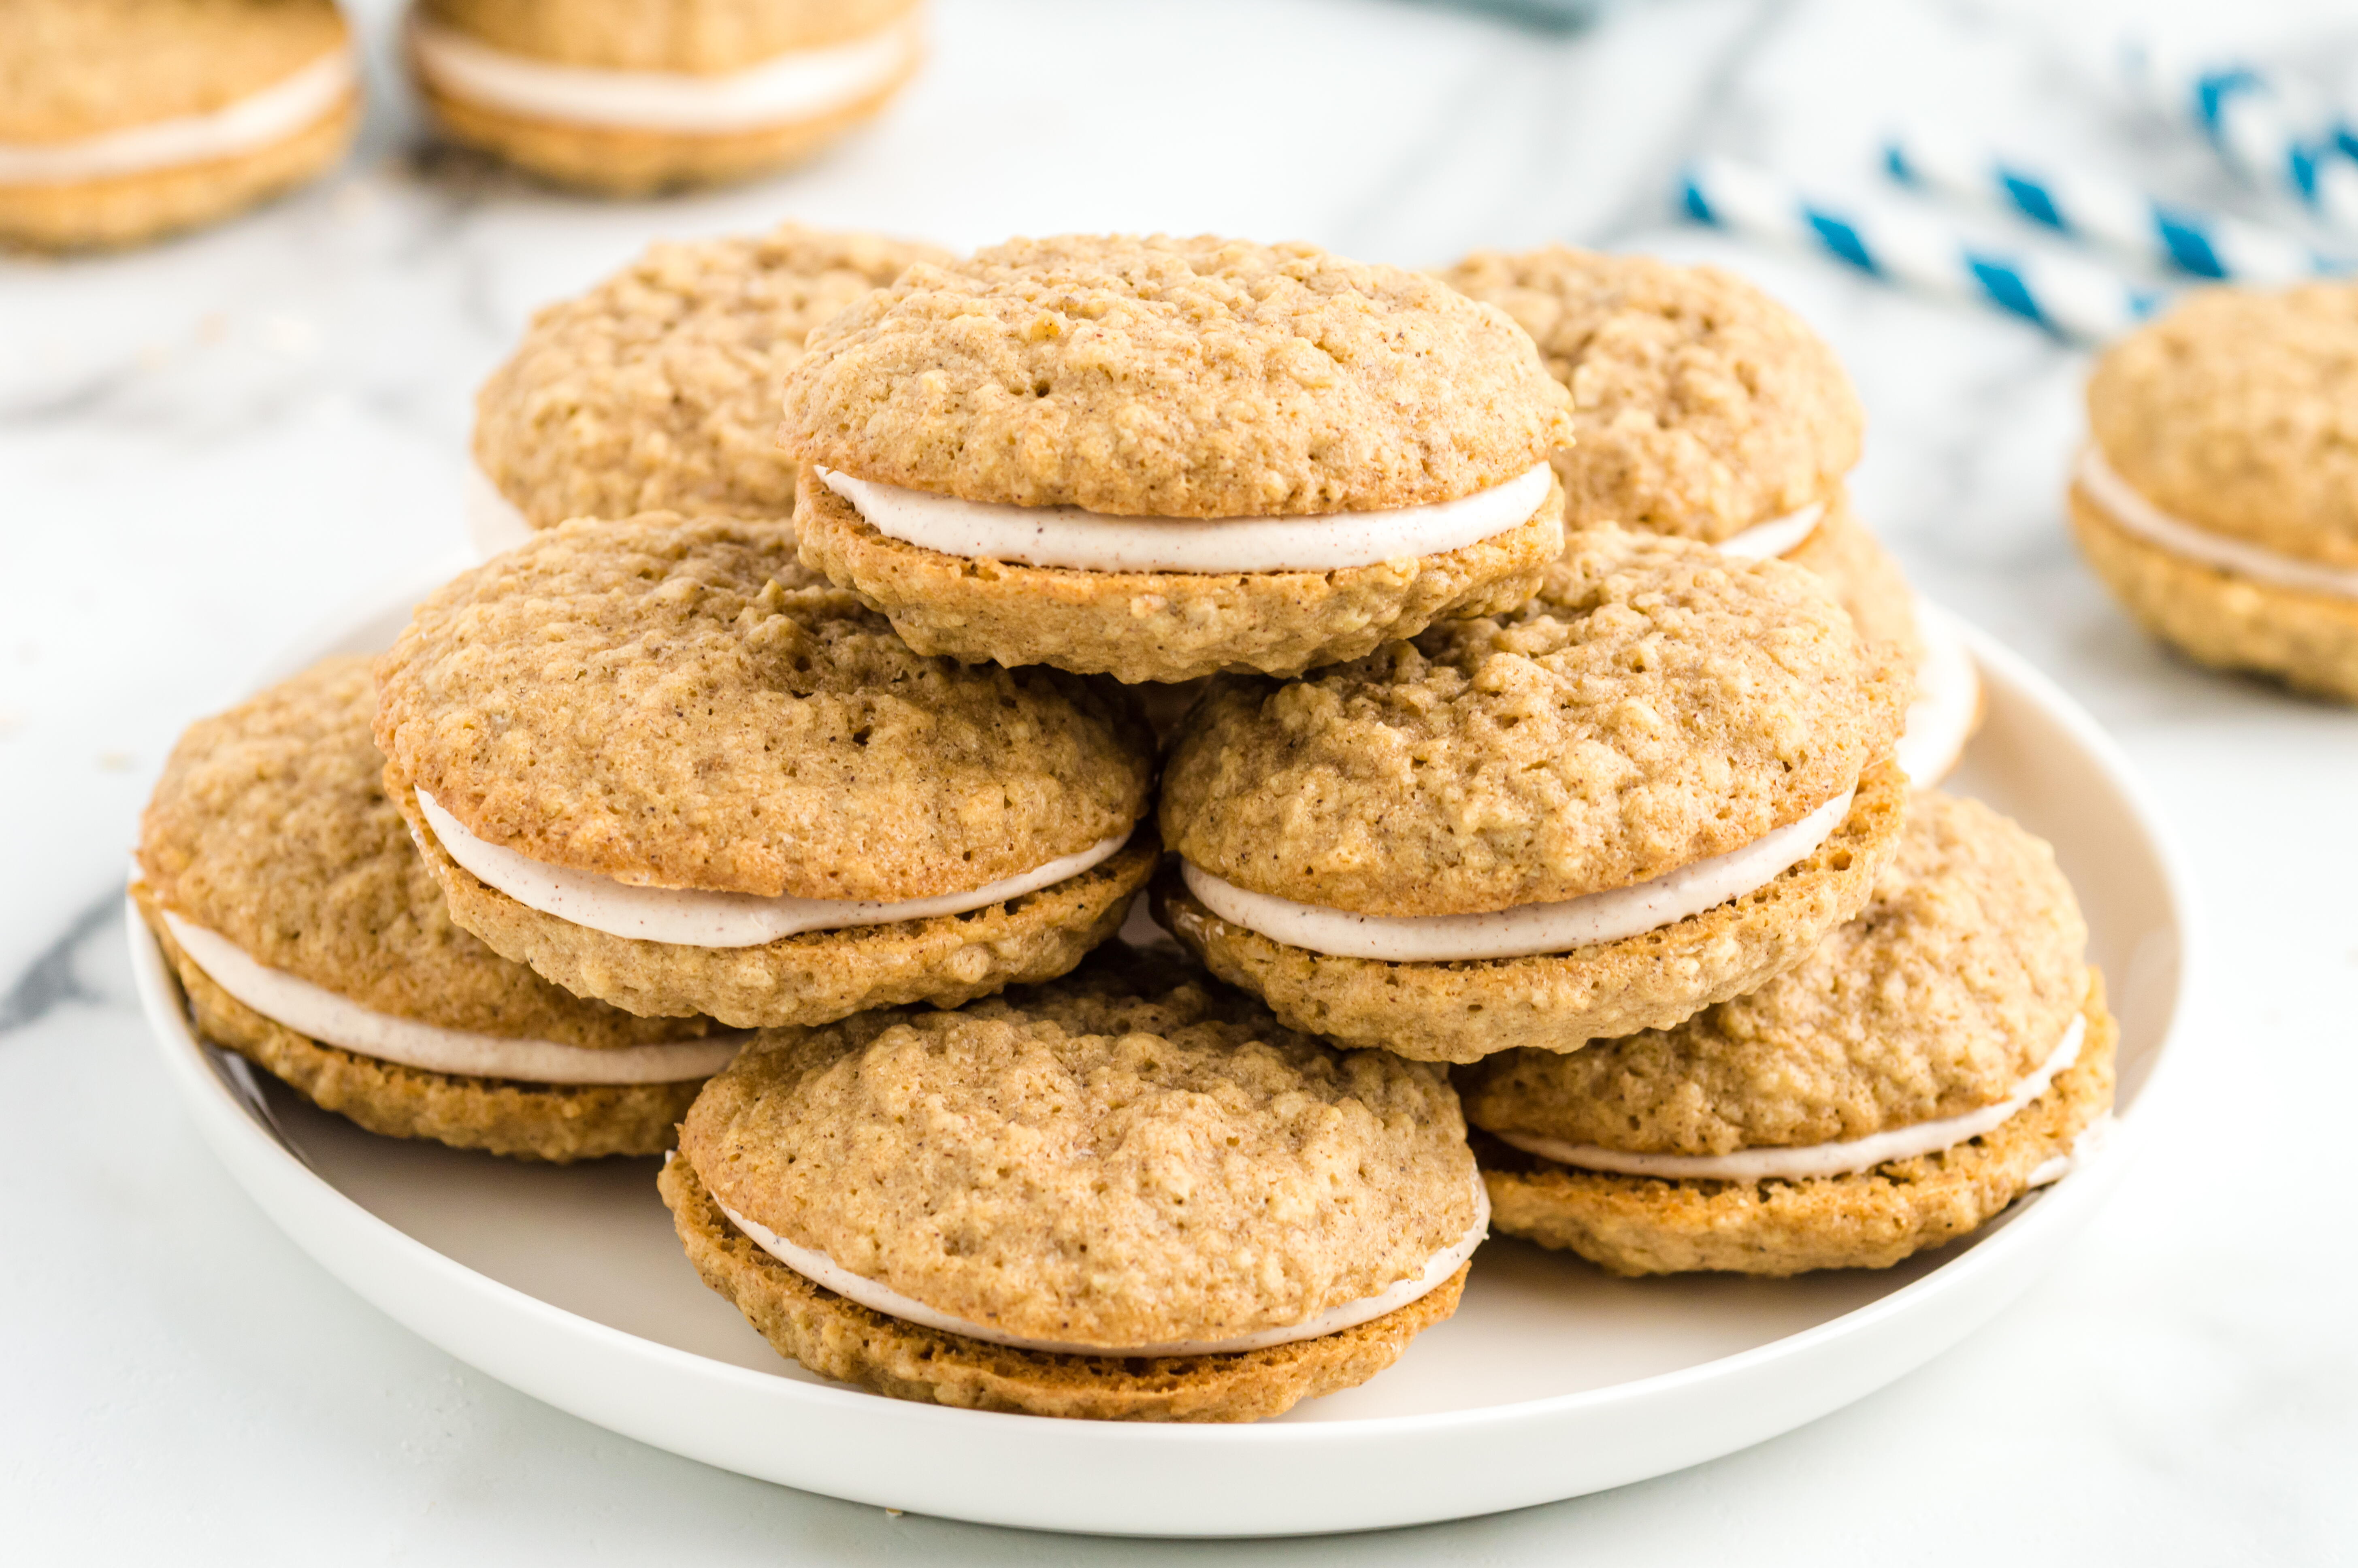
point(2088, 1146)
point(1529, 928)
point(2121, 502)
point(797, 85)
point(1814, 1159)
point(1763, 541)
point(1948, 697)
point(1079, 540)
point(824, 1271)
point(494, 523)
point(694, 918)
point(322, 1015)
point(256, 121)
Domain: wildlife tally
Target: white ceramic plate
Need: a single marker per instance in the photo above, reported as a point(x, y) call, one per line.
point(1551, 1380)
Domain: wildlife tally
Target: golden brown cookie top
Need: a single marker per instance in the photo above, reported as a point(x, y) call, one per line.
point(1173, 377)
point(1656, 704)
point(1955, 984)
point(1703, 406)
point(657, 390)
point(2238, 412)
point(681, 704)
point(1127, 1156)
point(271, 827)
point(70, 69)
point(698, 37)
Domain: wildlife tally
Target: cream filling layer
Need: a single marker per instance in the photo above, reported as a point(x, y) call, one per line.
point(322, 1015)
point(1814, 1159)
point(494, 523)
point(1763, 541)
point(2090, 1145)
point(256, 121)
point(694, 918)
point(1948, 696)
point(1526, 929)
point(824, 1271)
point(1078, 540)
point(2121, 502)
point(800, 84)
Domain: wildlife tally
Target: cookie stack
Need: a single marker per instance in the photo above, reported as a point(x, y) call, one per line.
point(1608, 823)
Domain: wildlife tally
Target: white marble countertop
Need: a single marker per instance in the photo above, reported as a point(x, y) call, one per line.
point(210, 447)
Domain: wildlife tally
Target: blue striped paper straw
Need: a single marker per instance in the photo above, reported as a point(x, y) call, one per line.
point(2070, 297)
point(2107, 212)
point(2254, 126)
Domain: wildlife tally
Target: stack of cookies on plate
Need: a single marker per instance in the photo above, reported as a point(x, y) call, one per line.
point(1598, 826)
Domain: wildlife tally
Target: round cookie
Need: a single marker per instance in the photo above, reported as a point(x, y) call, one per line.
point(624, 97)
point(666, 766)
point(657, 390)
point(1934, 1060)
point(1162, 459)
point(2218, 497)
point(308, 938)
point(1707, 410)
point(1123, 1196)
point(123, 119)
point(1700, 406)
point(1653, 788)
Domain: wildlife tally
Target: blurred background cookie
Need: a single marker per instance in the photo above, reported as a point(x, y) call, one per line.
point(628, 96)
point(2218, 495)
point(122, 120)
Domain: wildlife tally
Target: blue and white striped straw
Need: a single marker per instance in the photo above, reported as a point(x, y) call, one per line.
point(2105, 211)
point(2068, 296)
point(2254, 126)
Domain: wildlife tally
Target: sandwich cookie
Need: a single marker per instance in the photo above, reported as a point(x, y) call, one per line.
point(2218, 495)
point(666, 766)
point(657, 390)
point(309, 938)
point(1161, 459)
point(1707, 410)
point(121, 120)
point(1936, 1058)
point(1123, 1196)
point(628, 96)
point(1651, 788)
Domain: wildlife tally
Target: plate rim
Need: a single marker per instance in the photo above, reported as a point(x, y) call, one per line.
point(240, 1138)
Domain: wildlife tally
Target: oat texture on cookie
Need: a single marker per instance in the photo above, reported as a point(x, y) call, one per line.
point(271, 827)
point(1700, 406)
point(1654, 705)
point(658, 388)
point(1118, 1159)
point(1195, 378)
point(679, 704)
point(1868, 1219)
point(1953, 986)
